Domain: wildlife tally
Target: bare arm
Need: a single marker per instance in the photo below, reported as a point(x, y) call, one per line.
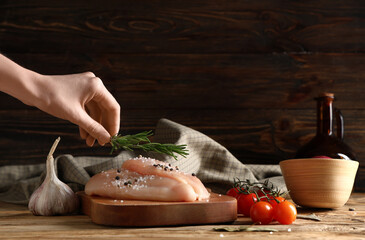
point(79, 98)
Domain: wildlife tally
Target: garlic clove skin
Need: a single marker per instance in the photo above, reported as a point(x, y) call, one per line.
point(53, 197)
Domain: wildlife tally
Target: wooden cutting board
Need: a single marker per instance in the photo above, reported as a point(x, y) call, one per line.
point(134, 213)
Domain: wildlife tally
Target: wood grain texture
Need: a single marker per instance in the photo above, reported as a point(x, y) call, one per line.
point(242, 72)
point(17, 222)
point(213, 81)
point(133, 213)
point(329, 180)
point(182, 26)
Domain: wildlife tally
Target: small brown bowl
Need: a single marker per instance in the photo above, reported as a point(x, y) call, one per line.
point(319, 182)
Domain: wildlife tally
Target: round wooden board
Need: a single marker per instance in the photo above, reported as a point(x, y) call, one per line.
point(133, 213)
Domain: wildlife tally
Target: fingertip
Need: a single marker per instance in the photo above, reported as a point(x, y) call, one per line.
point(93, 129)
point(90, 141)
point(103, 140)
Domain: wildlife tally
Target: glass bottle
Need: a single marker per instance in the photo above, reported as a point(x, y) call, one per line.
point(326, 143)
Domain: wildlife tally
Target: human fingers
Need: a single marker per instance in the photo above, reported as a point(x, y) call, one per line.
point(88, 74)
point(110, 109)
point(90, 141)
point(95, 113)
point(83, 133)
point(93, 128)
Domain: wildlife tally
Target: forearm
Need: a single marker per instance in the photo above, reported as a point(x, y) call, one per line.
point(79, 98)
point(18, 82)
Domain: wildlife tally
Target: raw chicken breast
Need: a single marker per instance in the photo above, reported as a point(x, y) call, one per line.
point(124, 184)
point(149, 166)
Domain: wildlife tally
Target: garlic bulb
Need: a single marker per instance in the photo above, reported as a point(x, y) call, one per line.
point(53, 197)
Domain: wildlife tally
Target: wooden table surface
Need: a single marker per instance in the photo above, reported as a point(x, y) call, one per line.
point(347, 222)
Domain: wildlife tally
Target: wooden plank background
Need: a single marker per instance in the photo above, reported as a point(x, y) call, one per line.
point(243, 72)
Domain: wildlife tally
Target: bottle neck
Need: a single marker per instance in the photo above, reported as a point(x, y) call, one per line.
point(324, 116)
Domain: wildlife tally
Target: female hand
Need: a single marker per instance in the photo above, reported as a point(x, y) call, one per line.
point(79, 98)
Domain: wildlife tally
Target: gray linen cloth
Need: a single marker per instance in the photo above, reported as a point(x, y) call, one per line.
point(213, 164)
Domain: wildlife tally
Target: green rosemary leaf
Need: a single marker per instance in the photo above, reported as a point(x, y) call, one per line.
point(312, 216)
point(142, 141)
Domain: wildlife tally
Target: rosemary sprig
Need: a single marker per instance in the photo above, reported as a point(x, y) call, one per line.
point(141, 141)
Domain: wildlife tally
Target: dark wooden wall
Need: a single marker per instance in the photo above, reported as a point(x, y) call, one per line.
point(243, 72)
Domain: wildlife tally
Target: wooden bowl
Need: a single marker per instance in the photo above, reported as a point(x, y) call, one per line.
point(319, 182)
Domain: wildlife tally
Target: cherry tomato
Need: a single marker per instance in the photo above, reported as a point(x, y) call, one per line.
point(245, 202)
point(285, 212)
point(261, 193)
point(272, 201)
point(262, 213)
point(233, 192)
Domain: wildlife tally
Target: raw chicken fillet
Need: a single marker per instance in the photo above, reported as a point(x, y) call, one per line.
point(147, 179)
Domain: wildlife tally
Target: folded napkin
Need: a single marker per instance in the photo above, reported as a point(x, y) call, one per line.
point(212, 163)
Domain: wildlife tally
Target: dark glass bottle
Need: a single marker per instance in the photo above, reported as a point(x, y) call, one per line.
point(325, 143)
